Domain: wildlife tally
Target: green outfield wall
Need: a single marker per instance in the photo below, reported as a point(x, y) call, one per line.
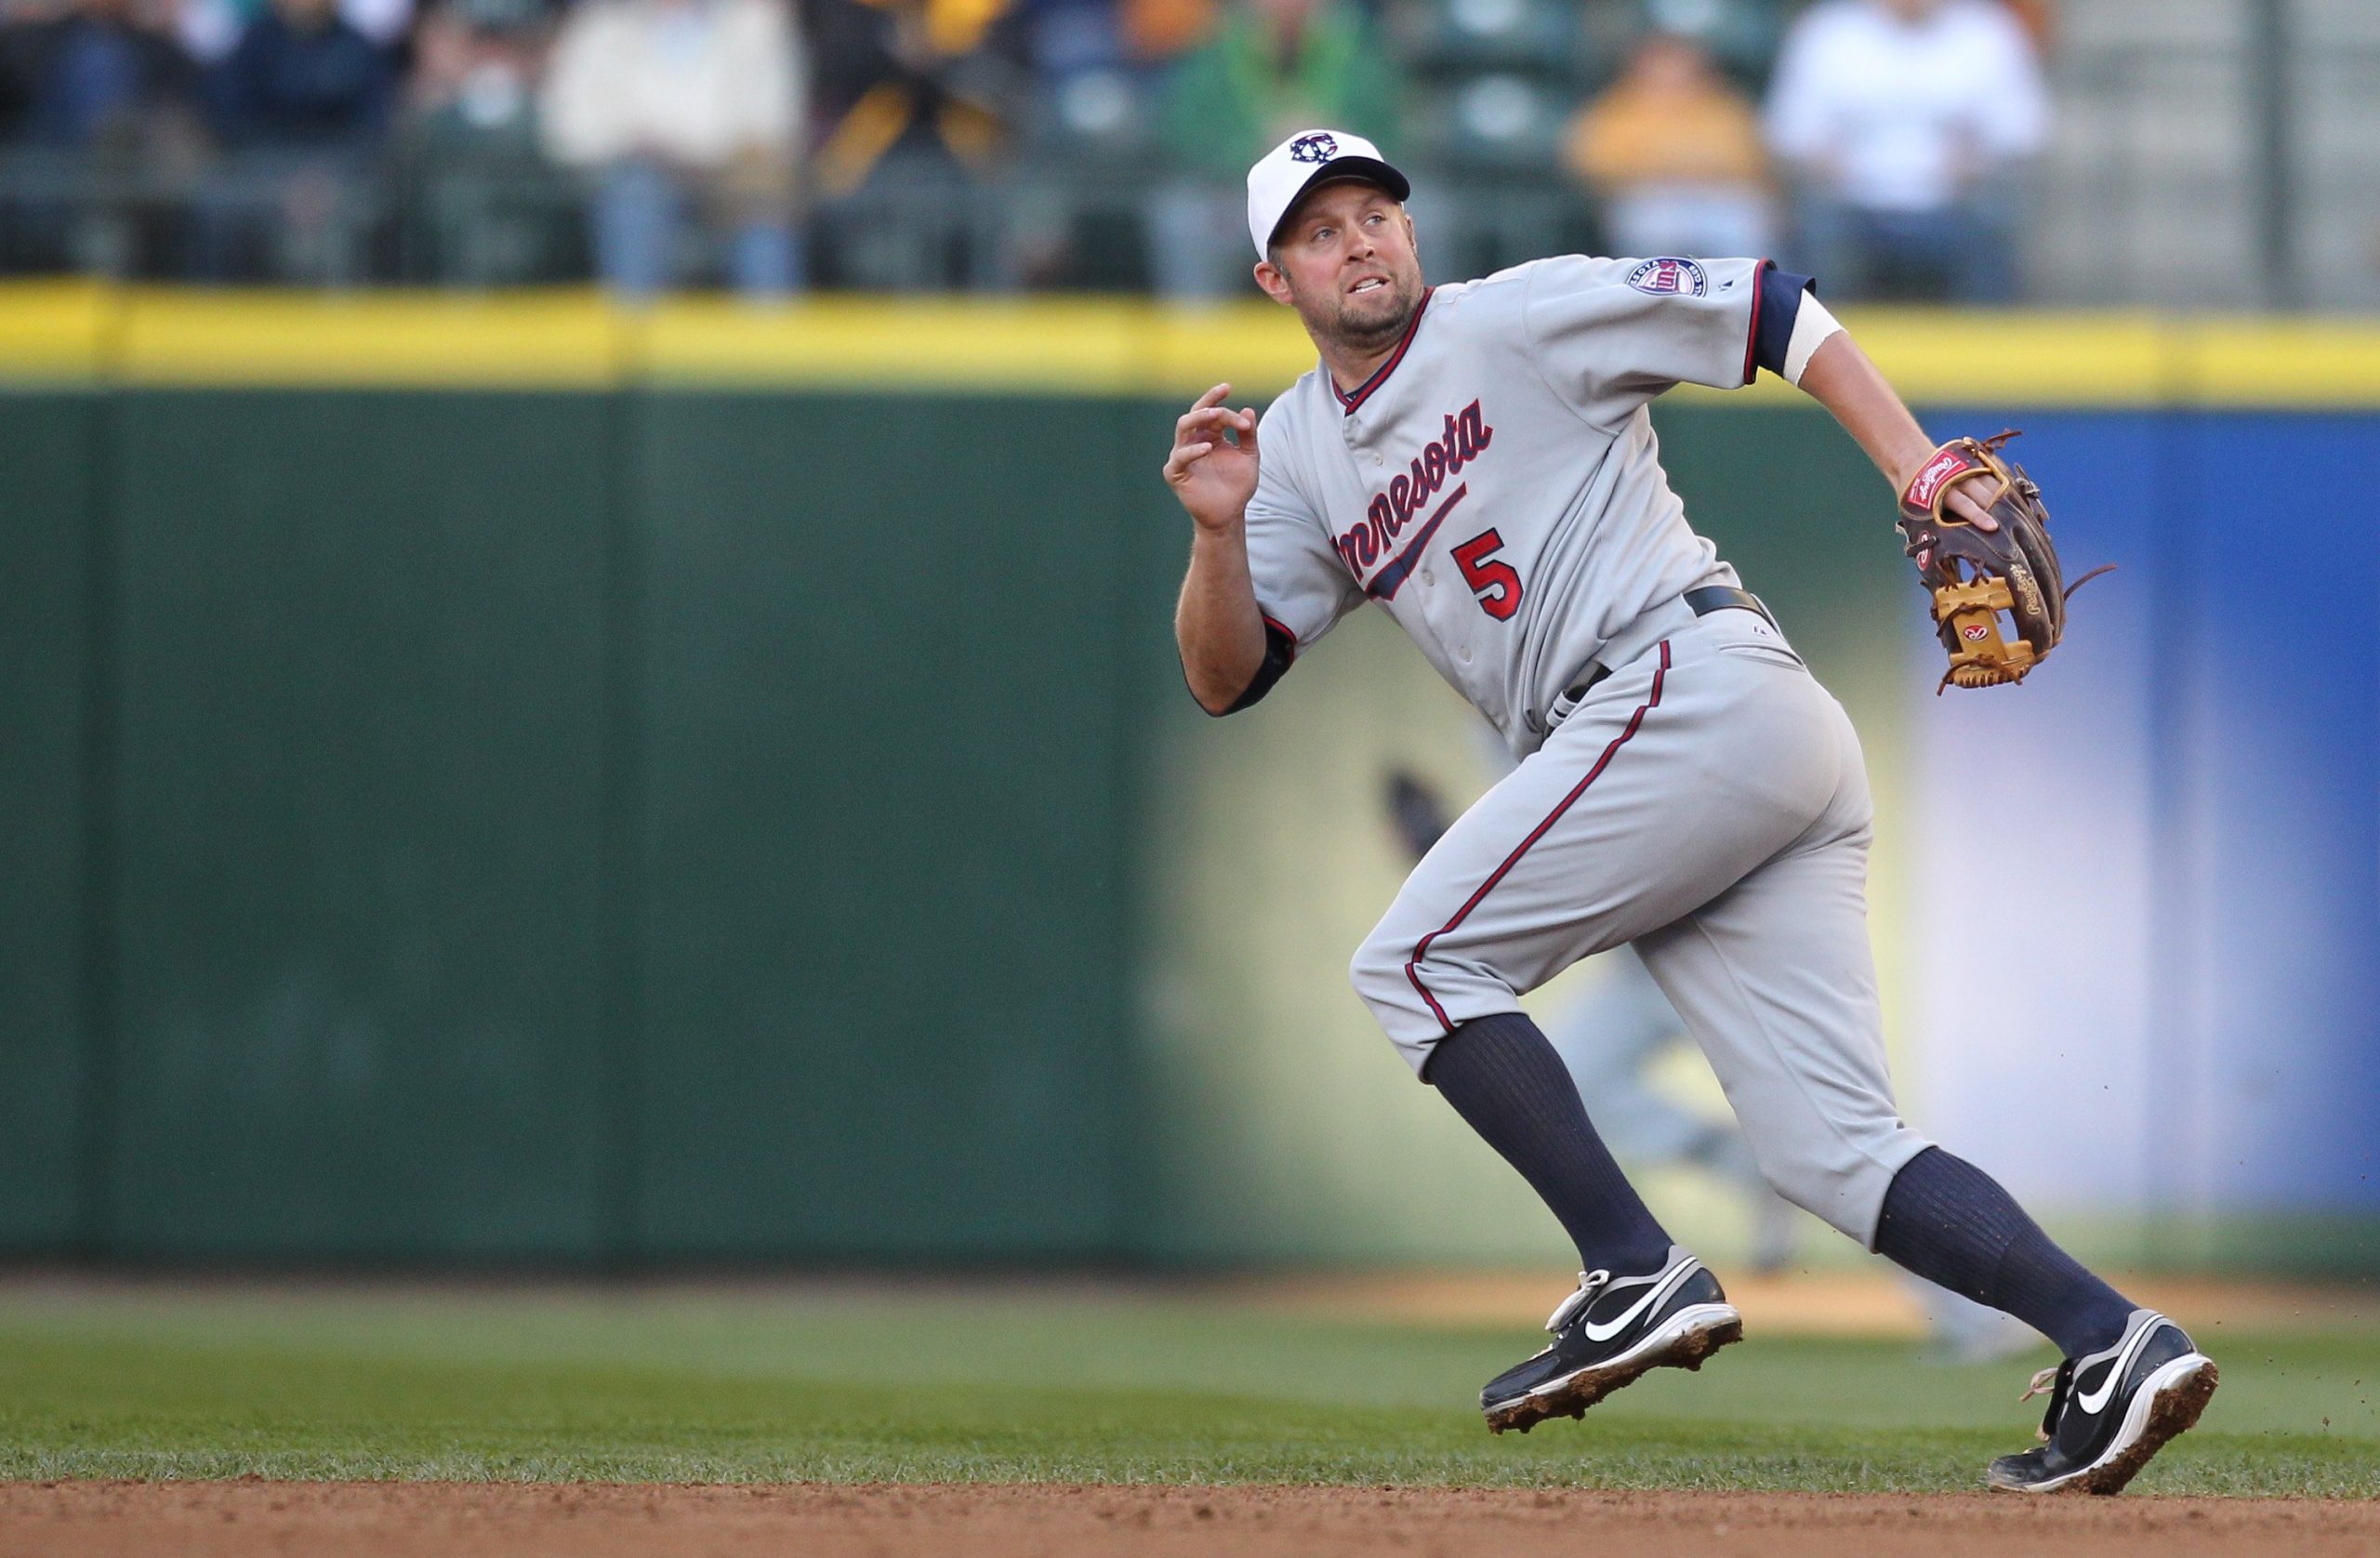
point(50, 569)
point(564, 826)
point(500, 780)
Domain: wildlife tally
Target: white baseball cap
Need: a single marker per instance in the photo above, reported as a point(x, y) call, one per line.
point(1282, 175)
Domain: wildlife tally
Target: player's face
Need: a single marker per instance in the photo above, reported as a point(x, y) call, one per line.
point(1346, 261)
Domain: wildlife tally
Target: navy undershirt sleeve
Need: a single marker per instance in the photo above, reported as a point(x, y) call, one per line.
point(1780, 301)
point(1280, 650)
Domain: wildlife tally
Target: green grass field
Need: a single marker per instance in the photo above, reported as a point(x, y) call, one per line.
point(1025, 1385)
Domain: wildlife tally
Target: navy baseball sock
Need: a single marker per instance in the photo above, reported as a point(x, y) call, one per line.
point(1507, 1083)
point(1951, 1222)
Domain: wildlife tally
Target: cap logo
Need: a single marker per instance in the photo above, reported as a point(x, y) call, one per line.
point(1319, 147)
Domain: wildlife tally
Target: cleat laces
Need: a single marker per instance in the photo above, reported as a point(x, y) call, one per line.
point(1590, 1284)
point(2059, 1380)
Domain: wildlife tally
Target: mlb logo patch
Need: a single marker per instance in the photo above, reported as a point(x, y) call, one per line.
point(1669, 275)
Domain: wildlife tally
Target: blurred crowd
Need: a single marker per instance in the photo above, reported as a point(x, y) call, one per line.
point(771, 146)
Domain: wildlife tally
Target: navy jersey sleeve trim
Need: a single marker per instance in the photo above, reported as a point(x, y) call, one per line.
point(1280, 653)
point(1774, 306)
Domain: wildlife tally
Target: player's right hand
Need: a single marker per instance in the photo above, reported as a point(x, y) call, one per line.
point(1212, 468)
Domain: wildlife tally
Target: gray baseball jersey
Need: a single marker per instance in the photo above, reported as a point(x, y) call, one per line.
point(1496, 487)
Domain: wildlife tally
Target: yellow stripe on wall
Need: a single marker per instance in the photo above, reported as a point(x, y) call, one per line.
point(84, 332)
point(55, 331)
point(1081, 347)
point(2288, 363)
point(404, 341)
point(2032, 359)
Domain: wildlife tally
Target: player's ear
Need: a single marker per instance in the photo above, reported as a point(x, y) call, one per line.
point(1275, 286)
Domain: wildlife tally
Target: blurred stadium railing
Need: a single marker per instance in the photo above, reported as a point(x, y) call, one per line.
point(2212, 153)
point(2205, 153)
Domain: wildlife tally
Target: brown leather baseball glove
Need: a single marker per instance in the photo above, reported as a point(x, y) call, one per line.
point(1975, 576)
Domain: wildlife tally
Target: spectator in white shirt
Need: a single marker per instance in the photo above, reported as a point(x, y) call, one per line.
point(682, 109)
point(1904, 123)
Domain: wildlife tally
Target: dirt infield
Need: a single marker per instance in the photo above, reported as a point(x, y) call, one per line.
point(454, 1520)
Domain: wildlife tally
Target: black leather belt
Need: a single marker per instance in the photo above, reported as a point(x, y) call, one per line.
point(1702, 603)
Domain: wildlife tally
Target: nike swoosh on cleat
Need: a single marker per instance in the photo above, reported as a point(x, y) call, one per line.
point(1670, 1283)
point(2093, 1401)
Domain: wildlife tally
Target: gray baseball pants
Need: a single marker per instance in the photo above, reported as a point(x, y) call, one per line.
point(1706, 801)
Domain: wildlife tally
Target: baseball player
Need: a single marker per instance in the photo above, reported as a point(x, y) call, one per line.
point(1479, 461)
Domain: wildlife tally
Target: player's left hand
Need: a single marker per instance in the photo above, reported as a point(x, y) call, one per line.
point(1980, 568)
point(1959, 505)
point(1963, 505)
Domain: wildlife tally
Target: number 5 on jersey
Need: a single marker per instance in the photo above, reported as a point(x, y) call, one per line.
point(1496, 585)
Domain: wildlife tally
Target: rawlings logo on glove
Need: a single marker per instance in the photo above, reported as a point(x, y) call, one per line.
point(1947, 461)
point(1975, 575)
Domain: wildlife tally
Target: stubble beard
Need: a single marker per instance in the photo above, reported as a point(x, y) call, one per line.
point(1359, 330)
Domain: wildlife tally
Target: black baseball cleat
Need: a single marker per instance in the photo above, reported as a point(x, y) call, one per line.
point(2109, 1412)
point(1609, 1332)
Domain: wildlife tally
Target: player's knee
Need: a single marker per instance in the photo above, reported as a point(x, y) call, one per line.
point(1392, 975)
point(1405, 984)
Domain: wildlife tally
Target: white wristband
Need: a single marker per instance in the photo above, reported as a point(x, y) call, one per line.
point(1812, 326)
